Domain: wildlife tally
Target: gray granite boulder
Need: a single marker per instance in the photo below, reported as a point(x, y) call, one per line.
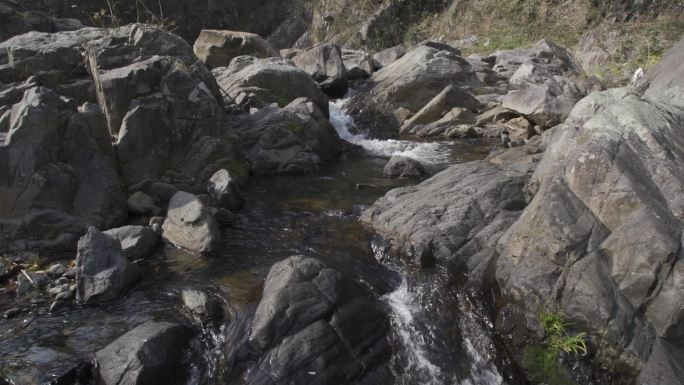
point(103, 273)
point(190, 224)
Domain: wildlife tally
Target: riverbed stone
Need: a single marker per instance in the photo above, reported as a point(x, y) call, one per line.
point(202, 306)
point(190, 225)
point(136, 241)
point(224, 189)
point(151, 353)
point(103, 273)
point(401, 166)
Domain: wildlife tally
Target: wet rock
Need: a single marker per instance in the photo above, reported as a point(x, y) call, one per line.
point(314, 324)
point(151, 353)
point(225, 190)
point(223, 216)
point(400, 166)
point(258, 83)
point(142, 204)
point(59, 172)
point(11, 313)
point(103, 273)
point(202, 306)
point(190, 225)
point(325, 64)
point(136, 241)
point(156, 224)
point(217, 48)
point(297, 139)
point(28, 281)
point(388, 56)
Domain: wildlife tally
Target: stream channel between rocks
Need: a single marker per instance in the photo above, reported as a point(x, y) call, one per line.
point(438, 335)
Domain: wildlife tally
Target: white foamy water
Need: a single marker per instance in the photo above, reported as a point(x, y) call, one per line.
point(404, 304)
point(425, 152)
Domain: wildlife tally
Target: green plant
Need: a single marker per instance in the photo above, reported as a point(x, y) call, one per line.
point(542, 362)
point(559, 338)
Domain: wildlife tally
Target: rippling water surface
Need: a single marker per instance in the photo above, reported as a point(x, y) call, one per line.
point(435, 339)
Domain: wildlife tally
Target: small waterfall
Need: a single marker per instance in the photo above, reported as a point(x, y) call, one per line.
point(478, 345)
point(437, 153)
point(413, 341)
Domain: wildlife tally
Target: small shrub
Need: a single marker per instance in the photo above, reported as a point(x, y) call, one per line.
point(559, 339)
point(541, 362)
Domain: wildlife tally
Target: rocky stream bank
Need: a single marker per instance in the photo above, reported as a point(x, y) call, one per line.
point(227, 213)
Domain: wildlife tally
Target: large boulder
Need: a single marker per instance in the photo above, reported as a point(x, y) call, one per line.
point(190, 225)
point(152, 353)
point(542, 97)
point(408, 83)
point(455, 217)
point(315, 325)
point(665, 80)
point(441, 105)
point(388, 56)
point(257, 83)
point(102, 272)
point(601, 239)
point(359, 64)
point(217, 48)
point(58, 173)
point(326, 65)
point(543, 82)
point(56, 59)
point(297, 139)
point(151, 86)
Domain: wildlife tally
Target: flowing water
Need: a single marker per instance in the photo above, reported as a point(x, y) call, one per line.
point(439, 336)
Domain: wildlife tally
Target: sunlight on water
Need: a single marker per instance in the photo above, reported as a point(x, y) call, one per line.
point(403, 304)
point(429, 152)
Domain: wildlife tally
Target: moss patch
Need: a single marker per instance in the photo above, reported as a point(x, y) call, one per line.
point(542, 366)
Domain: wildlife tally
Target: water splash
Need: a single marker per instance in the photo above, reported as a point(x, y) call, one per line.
point(437, 153)
point(403, 303)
